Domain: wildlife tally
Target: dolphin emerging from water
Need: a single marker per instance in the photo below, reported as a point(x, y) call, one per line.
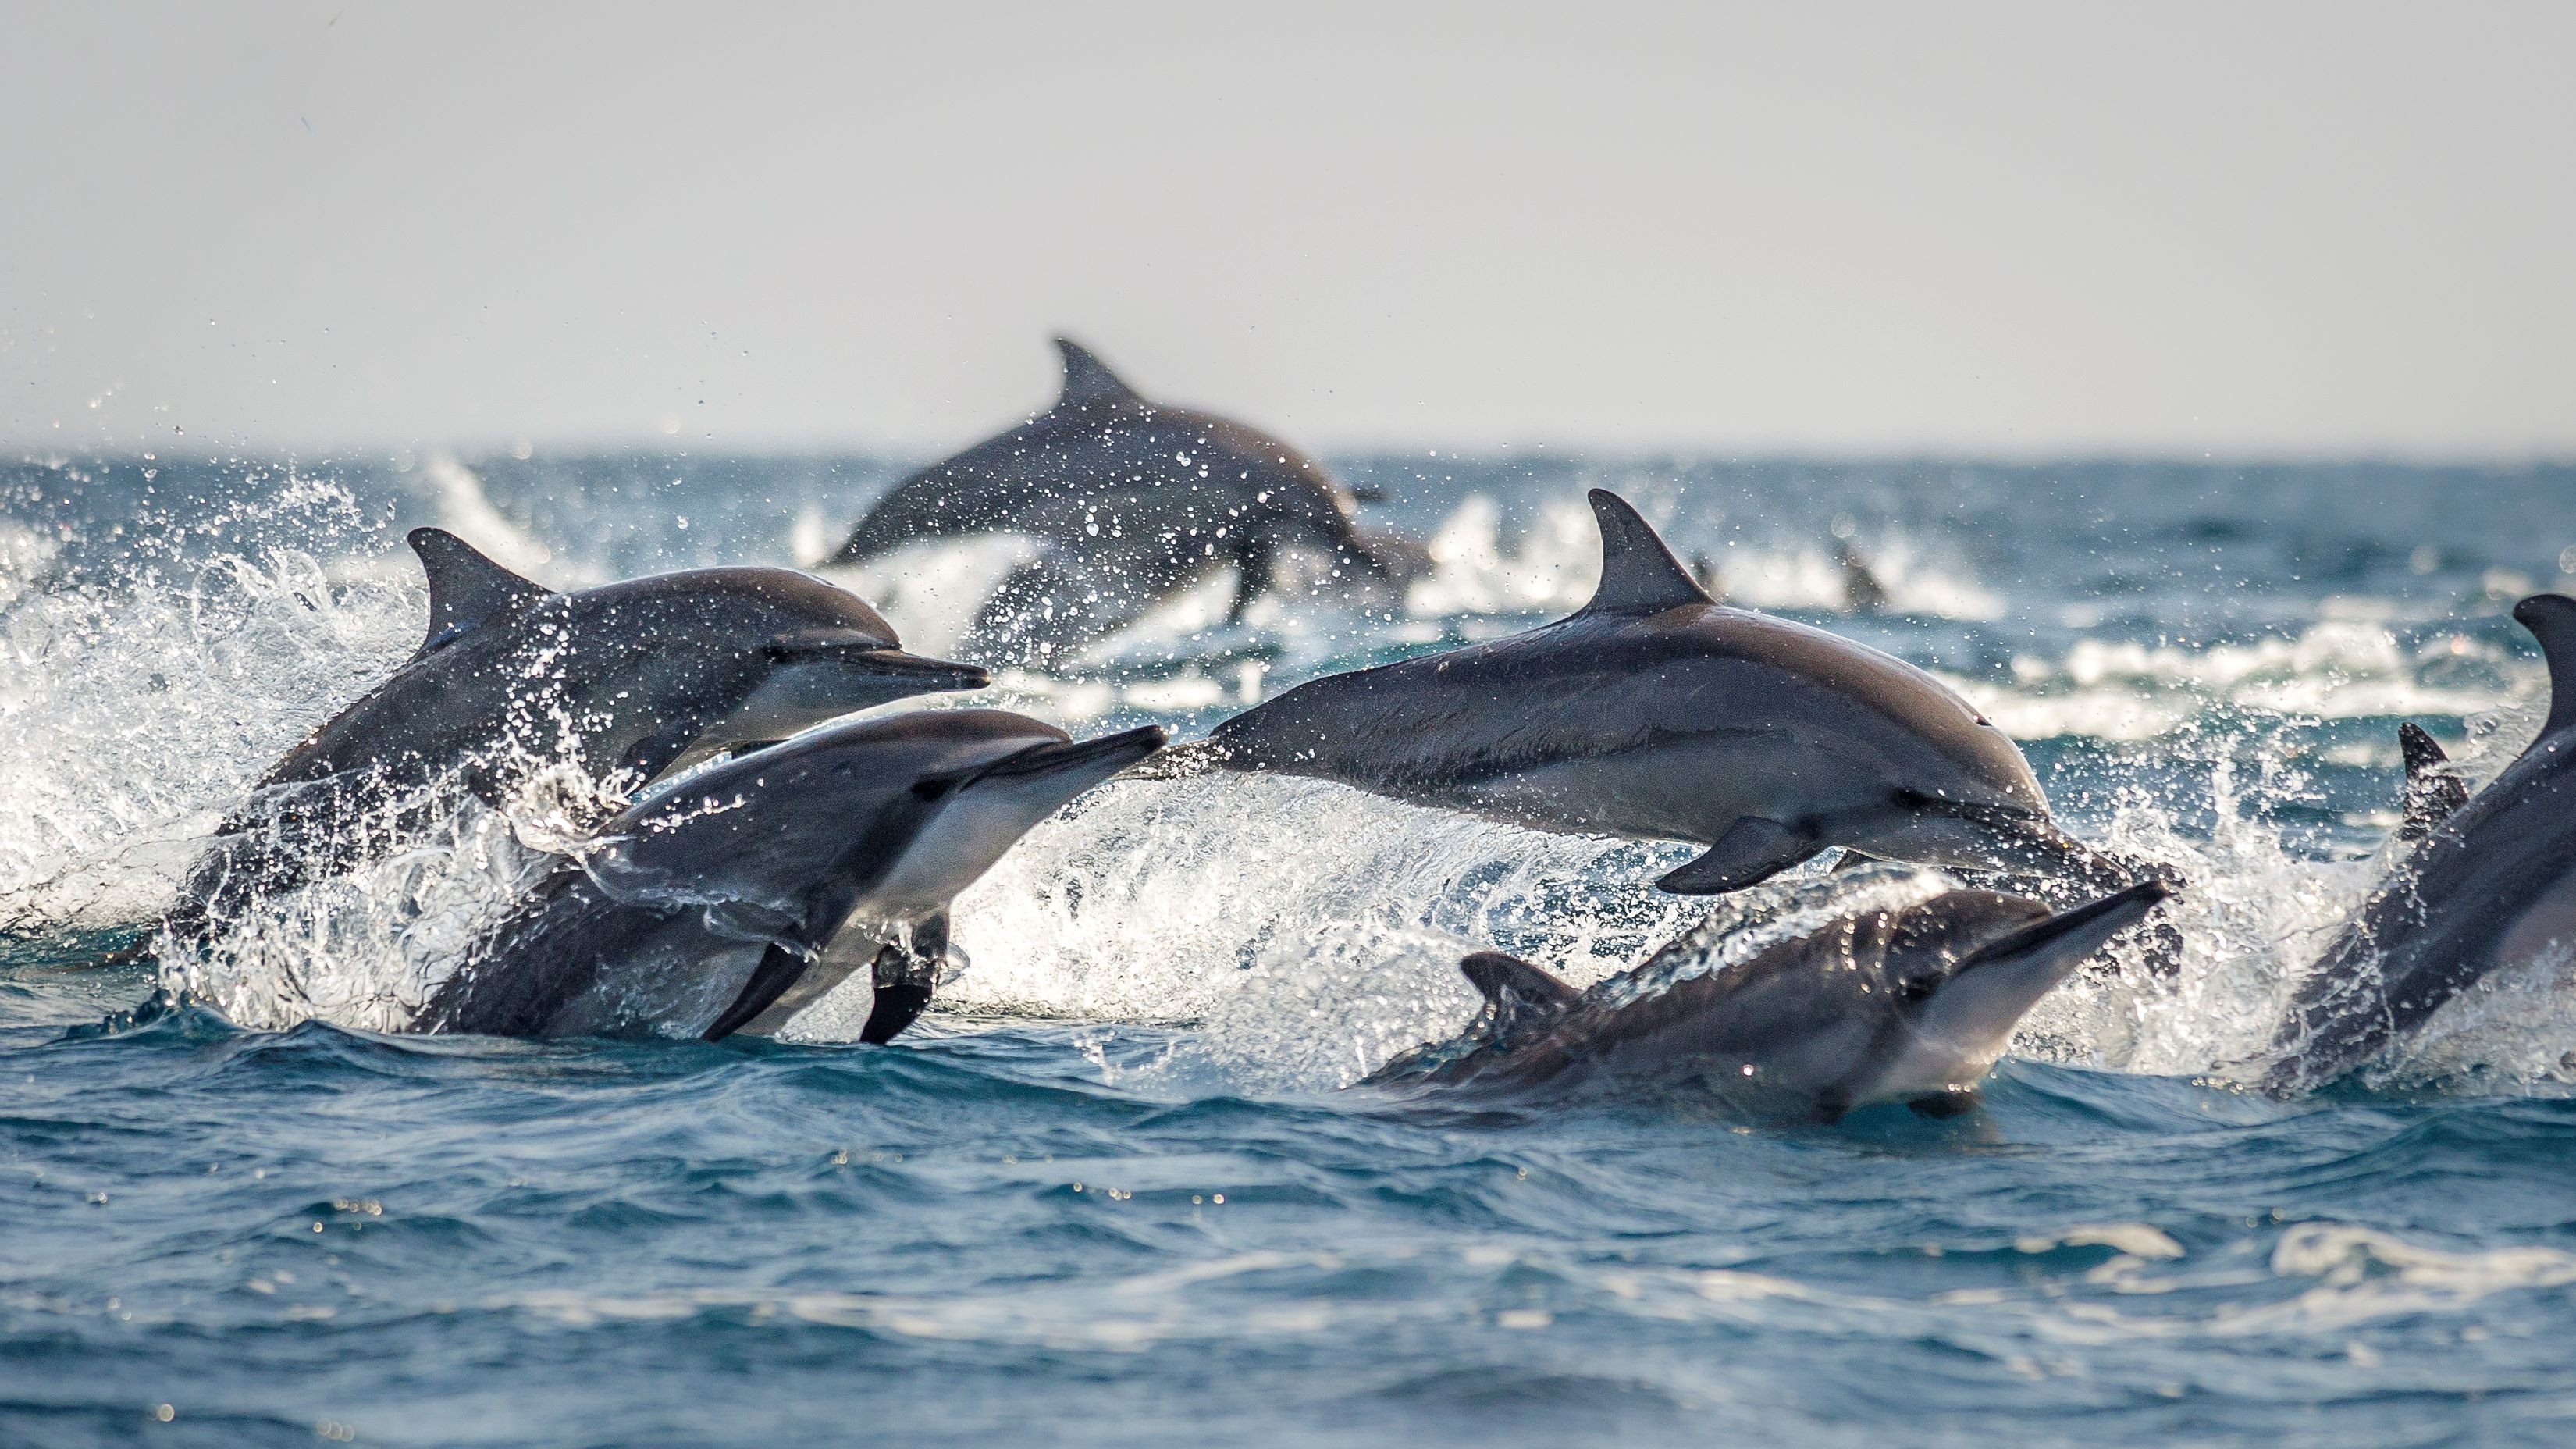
point(635, 676)
point(2491, 884)
point(1131, 501)
point(1909, 1005)
point(714, 904)
point(1658, 714)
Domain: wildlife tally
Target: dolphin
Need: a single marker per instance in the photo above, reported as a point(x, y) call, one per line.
point(638, 676)
point(1656, 713)
point(2490, 884)
point(710, 901)
point(1911, 1004)
point(1131, 501)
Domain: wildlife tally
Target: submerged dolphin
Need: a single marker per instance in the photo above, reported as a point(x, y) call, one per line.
point(635, 676)
point(1657, 714)
point(1908, 1005)
point(2492, 884)
point(712, 900)
point(1131, 501)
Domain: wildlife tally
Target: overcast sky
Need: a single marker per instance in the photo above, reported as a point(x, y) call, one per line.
point(1984, 229)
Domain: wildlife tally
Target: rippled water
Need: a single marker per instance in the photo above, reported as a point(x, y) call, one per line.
point(1113, 1191)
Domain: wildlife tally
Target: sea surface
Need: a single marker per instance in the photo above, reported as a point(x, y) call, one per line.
point(1114, 1190)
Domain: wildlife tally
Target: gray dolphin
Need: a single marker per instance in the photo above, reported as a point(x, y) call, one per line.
point(1132, 501)
point(637, 676)
point(2491, 884)
point(709, 901)
point(1908, 1005)
point(1658, 714)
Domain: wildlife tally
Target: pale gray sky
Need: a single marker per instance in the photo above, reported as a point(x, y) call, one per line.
point(1984, 228)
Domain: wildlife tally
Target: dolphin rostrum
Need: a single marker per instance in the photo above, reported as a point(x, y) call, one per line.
point(2491, 884)
point(636, 676)
point(1907, 1004)
point(1656, 713)
point(708, 903)
point(1131, 501)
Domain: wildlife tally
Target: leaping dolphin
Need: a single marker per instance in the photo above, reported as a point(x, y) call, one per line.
point(1131, 501)
point(710, 902)
point(2491, 884)
point(1911, 1005)
point(1656, 713)
point(636, 676)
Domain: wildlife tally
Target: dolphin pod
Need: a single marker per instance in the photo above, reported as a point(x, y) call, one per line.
point(1130, 502)
point(768, 849)
point(637, 677)
point(1656, 713)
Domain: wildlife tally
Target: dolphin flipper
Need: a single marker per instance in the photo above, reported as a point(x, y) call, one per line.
point(2433, 790)
point(465, 588)
point(779, 969)
point(1751, 851)
point(905, 981)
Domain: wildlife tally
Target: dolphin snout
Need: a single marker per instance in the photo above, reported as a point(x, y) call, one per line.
point(931, 674)
point(1095, 759)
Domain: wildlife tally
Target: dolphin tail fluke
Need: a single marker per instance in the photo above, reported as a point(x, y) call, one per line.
point(2433, 790)
point(465, 588)
point(1751, 851)
point(1639, 575)
point(1087, 379)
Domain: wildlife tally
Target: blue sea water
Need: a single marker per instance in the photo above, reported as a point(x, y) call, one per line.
point(1114, 1191)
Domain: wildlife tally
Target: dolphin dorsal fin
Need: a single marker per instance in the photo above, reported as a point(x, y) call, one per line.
point(2433, 789)
point(2551, 618)
point(1638, 574)
point(465, 588)
point(1519, 997)
point(1087, 379)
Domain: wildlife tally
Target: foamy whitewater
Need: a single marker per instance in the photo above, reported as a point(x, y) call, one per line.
point(1112, 1187)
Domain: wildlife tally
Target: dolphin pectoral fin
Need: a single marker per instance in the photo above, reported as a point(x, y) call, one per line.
point(1752, 850)
point(1943, 1106)
point(778, 970)
point(659, 751)
point(904, 984)
point(2433, 791)
point(1639, 575)
point(465, 588)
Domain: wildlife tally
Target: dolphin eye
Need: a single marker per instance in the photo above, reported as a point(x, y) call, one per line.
point(1917, 988)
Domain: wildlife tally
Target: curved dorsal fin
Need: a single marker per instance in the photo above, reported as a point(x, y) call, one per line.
point(1519, 998)
point(465, 588)
point(1087, 379)
point(1638, 574)
point(2551, 618)
point(2433, 789)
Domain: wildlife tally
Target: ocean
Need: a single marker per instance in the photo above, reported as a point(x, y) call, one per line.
point(1114, 1188)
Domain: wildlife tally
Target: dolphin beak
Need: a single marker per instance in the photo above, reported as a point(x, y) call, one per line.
point(2073, 935)
point(1087, 761)
point(930, 674)
point(1972, 1014)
